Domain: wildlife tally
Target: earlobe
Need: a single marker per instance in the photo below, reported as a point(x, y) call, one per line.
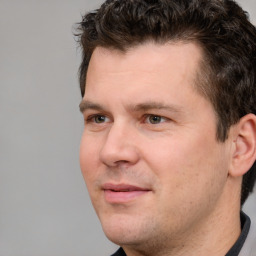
point(244, 154)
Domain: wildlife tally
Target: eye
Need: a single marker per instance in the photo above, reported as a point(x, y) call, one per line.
point(98, 119)
point(154, 119)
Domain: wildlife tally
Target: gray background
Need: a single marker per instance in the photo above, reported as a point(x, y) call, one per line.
point(44, 206)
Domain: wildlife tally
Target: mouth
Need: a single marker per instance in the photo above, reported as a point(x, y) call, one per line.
point(122, 193)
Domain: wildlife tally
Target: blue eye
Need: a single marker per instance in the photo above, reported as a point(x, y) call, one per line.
point(154, 119)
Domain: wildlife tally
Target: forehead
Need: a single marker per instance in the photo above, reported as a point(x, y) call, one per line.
point(143, 73)
point(178, 59)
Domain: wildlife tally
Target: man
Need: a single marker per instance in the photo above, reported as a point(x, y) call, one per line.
point(169, 143)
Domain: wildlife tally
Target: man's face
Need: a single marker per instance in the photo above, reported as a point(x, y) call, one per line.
point(149, 155)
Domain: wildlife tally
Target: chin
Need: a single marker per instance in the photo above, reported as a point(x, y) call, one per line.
point(121, 230)
point(135, 238)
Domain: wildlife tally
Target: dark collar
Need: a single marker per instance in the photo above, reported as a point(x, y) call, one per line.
point(234, 251)
point(120, 252)
point(245, 226)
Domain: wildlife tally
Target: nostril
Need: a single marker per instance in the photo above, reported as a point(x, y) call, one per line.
point(122, 162)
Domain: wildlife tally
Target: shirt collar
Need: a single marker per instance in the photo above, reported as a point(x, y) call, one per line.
point(245, 226)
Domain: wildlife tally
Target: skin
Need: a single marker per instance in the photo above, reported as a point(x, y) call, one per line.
point(146, 125)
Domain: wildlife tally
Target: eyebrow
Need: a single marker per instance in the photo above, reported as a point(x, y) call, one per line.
point(86, 104)
point(155, 105)
point(146, 106)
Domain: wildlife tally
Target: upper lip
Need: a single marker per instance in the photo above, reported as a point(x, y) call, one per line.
point(123, 187)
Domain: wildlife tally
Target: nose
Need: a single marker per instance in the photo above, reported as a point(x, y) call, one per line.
point(120, 146)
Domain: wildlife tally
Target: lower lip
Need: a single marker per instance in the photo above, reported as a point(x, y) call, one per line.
point(122, 197)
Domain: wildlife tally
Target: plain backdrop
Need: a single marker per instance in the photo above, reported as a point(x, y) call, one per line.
point(44, 206)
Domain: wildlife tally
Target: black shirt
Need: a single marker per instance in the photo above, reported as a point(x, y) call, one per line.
point(236, 248)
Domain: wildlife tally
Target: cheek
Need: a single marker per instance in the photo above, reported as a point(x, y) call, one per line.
point(88, 157)
point(187, 165)
point(89, 165)
point(189, 181)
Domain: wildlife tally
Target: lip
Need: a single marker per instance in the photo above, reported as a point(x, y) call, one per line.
point(122, 193)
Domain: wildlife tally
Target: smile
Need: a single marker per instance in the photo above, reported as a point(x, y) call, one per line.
point(122, 193)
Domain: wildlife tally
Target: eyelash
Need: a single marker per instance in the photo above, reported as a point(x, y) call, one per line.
point(92, 119)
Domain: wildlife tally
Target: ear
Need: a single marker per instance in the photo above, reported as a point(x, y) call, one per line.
point(244, 153)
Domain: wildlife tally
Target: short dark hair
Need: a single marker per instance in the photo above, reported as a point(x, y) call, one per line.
point(220, 27)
